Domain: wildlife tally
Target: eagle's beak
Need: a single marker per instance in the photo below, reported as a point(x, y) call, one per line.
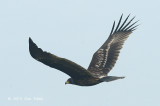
point(67, 82)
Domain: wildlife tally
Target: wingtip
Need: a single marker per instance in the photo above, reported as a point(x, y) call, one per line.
point(30, 40)
point(122, 15)
point(33, 48)
point(112, 28)
point(31, 43)
point(129, 14)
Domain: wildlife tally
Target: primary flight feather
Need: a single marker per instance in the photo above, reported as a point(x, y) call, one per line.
point(102, 62)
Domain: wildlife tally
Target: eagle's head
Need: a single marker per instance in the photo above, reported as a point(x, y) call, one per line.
point(69, 81)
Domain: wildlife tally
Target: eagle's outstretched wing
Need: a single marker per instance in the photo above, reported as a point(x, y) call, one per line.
point(72, 69)
point(106, 56)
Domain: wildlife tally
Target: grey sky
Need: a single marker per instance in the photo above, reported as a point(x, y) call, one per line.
point(75, 29)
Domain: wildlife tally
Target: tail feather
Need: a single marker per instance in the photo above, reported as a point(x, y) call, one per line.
point(110, 78)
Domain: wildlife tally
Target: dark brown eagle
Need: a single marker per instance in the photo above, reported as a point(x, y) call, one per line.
point(102, 62)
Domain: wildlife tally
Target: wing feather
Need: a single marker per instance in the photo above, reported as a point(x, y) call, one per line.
point(72, 69)
point(106, 56)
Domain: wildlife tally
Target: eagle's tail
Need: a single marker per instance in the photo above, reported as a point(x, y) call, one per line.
point(110, 78)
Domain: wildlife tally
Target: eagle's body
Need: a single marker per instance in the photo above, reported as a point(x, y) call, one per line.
point(85, 81)
point(92, 81)
point(102, 62)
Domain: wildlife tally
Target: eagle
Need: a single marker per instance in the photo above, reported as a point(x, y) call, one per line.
point(102, 62)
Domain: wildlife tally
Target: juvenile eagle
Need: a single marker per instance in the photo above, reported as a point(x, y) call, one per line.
point(102, 62)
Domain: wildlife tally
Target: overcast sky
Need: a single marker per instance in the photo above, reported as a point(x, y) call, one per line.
point(75, 29)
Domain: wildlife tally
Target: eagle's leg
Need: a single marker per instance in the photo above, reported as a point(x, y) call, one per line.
point(110, 78)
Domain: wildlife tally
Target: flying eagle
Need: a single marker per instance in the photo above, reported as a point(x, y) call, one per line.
point(102, 62)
